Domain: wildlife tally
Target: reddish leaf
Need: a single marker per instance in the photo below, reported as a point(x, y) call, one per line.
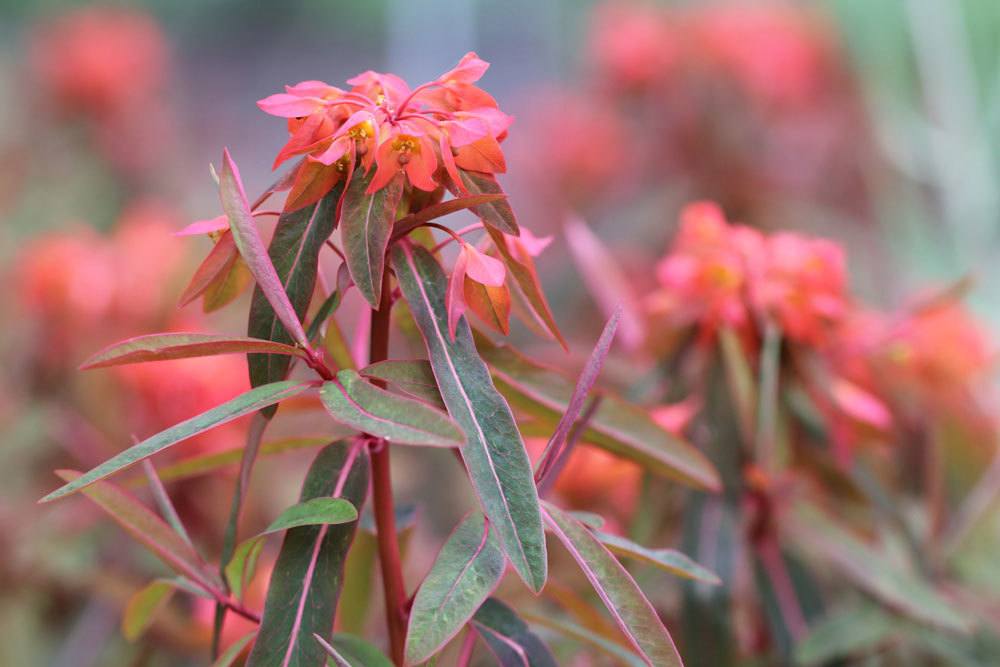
point(247, 237)
point(490, 304)
point(161, 347)
point(217, 264)
point(497, 215)
point(407, 224)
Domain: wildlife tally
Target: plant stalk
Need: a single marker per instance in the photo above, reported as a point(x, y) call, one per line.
point(384, 506)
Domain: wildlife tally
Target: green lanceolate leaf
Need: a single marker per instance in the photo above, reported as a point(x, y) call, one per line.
point(616, 426)
point(467, 570)
point(330, 304)
point(415, 377)
point(161, 347)
point(357, 652)
point(229, 656)
point(294, 252)
point(587, 636)
point(149, 530)
point(407, 224)
point(846, 632)
point(241, 567)
point(497, 214)
point(355, 402)
point(667, 560)
point(522, 270)
point(314, 512)
point(365, 226)
point(870, 569)
point(251, 247)
point(617, 589)
point(307, 577)
point(244, 404)
point(142, 607)
point(494, 454)
point(509, 638)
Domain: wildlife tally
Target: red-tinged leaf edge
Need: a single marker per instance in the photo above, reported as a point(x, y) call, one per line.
point(408, 223)
point(181, 345)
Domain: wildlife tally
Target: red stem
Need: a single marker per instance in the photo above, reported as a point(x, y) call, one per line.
point(385, 512)
point(468, 644)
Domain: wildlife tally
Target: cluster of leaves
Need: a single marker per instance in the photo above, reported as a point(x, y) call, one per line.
point(460, 397)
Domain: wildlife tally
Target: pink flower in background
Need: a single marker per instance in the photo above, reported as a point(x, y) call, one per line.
point(801, 283)
point(99, 61)
point(634, 46)
point(704, 279)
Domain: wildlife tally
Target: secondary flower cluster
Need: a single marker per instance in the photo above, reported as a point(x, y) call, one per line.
point(449, 123)
point(862, 368)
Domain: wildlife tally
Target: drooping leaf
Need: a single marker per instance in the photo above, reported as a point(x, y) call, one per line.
point(294, 253)
point(365, 226)
point(617, 589)
point(161, 347)
point(355, 402)
point(872, 571)
point(554, 449)
point(467, 570)
point(234, 650)
point(408, 223)
point(306, 580)
point(251, 247)
point(216, 264)
point(494, 454)
point(668, 560)
point(496, 214)
point(582, 634)
point(413, 376)
point(522, 269)
point(509, 638)
point(314, 512)
point(148, 529)
point(241, 567)
point(616, 426)
point(244, 404)
point(142, 607)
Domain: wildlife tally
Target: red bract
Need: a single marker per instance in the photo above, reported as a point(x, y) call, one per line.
point(448, 123)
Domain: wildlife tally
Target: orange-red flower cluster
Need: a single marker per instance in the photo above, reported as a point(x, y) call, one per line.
point(445, 125)
point(720, 274)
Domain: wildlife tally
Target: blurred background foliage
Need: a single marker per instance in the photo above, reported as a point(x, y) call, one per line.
point(922, 209)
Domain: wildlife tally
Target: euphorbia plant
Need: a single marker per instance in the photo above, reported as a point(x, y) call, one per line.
point(377, 159)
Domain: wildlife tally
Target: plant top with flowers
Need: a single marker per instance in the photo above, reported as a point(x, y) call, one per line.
point(374, 162)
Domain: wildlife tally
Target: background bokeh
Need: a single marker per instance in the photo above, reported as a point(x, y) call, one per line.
point(881, 133)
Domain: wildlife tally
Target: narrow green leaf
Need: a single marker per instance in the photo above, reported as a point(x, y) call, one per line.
point(494, 454)
point(161, 347)
point(240, 569)
point(845, 633)
point(243, 404)
point(314, 512)
point(617, 589)
point(668, 560)
point(509, 638)
point(415, 377)
point(497, 214)
point(294, 253)
point(467, 570)
point(307, 576)
point(331, 303)
point(522, 270)
point(202, 464)
point(872, 571)
point(365, 226)
point(235, 649)
point(251, 247)
point(148, 529)
point(142, 608)
point(358, 652)
point(355, 402)
point(616, 426)
point(578, 632)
